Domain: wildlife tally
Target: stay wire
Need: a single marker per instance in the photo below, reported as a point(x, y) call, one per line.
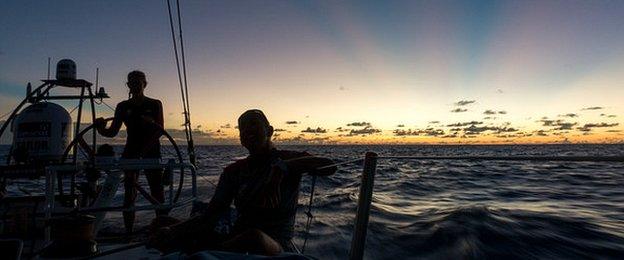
point(187, 114)
point(111, 108)
point(309, 215)
point(74, 109)
point(177, 59)
point(187, 106)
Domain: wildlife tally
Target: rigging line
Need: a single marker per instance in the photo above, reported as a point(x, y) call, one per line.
point(102, 102)
point(190, 147)
point(188, 110)
point(177, 59)
point(207, 180)
point(309, 215)
point(335, 165)
point(74, 109)
point(111, 108)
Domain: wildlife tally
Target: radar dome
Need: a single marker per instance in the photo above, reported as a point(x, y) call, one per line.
point(65, 69)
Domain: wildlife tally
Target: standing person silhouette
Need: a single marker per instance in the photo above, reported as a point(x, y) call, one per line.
point(143, 118)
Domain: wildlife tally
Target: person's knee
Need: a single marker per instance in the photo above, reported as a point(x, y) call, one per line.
point(256, 234)
point(267, 244)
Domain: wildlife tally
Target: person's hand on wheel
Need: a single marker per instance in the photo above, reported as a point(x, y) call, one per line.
point(100, 123)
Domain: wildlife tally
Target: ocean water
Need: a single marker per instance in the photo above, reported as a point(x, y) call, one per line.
point(456, 209)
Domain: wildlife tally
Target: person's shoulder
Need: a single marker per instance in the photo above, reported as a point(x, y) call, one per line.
point(122, 105)
point(153, 100)
point(235, 167)
point(289, 154)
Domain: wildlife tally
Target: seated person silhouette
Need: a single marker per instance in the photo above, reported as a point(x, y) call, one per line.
point(265, 190)
point(143, 118)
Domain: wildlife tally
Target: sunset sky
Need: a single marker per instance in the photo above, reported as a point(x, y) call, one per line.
point(345, 71)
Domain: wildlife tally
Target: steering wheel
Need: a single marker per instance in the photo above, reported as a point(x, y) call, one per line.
point(79, 143)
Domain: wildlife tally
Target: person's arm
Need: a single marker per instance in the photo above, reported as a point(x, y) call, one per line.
point(310, 164)
point(269, 196)
point(113, 130)
point(159, 115)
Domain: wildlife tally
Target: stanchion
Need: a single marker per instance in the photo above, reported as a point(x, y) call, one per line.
point(363, 209)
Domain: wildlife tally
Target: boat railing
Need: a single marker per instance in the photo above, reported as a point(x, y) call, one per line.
point(370, 160)
point(116, 167)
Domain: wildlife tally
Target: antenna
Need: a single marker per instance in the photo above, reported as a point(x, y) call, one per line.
point(48, 93)
point(48, 68)
point(97, 78)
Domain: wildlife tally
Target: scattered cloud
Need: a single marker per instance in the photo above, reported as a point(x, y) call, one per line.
point(226, 126)
point(401, 125)
point(558, 124)
point(588, 127)
point(605, 115)
point(464, 102)
point(368, 130)
point(493, 112)
point(292, 122)
point(541, 133)
point(434, 122)
point(279, 130)
point(451, 135)
point(359, 124)
point(565, 126)
point(340, 129)
point(459, 110)
point(418, 132)
point(593, 125)
point(318, 130)
point(489, 118)
point(475, 130)
point(465, 124)
point(568, 115)
point(592, 108)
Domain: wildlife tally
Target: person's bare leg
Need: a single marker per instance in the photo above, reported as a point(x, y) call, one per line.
point(130, 177)
point(154, 180)
point(253, 241)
